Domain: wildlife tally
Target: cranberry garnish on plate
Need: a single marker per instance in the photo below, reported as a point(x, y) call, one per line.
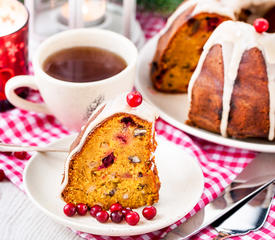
point(102, 216)
point(261, 25)
point(69, 209)
point(7, 153)
point(134, 99)
point(125, 211)
point(117, 216)
point(94, 210)
point(116, 207)
point(81, 209)
point(132, 218)
point(149, 212)
point(2, 175)
point(20, 155)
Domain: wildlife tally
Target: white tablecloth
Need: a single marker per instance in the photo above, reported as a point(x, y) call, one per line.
point(21, 220)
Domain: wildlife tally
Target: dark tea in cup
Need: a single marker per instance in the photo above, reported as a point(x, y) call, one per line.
point(83, 64)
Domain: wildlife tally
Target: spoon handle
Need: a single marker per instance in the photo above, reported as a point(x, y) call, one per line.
point(18, 148)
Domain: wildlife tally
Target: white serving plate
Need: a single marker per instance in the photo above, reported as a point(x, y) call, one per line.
point(181, 179)
point(174, 107)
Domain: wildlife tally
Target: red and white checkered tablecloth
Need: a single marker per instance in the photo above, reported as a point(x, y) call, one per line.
point(220, 164)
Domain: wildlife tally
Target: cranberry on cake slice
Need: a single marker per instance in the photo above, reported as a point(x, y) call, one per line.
point(134, 99)
point(107, 161)
point(128, 121)
point(212, 23)
point(123, 138)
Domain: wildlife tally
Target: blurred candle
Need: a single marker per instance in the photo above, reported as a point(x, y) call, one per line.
point(79, 13)
point(129, 15)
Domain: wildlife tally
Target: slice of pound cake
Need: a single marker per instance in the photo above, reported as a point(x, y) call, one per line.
point(112, 159)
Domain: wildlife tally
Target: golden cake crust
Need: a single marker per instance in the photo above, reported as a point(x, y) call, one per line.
point(249, 112)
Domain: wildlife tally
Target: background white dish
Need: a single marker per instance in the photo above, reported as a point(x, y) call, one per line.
point(180, 175)
point(174, 107)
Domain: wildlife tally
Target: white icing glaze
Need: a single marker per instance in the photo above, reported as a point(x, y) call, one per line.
point(144, 111)
point(235, 38)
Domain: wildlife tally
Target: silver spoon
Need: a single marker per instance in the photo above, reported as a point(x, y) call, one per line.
point(249, 217)
point(19, 148)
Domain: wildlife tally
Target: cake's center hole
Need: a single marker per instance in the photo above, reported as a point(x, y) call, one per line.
point(249, 15)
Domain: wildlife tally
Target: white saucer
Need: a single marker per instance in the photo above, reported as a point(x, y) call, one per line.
point(174, 107)
point(180, 175)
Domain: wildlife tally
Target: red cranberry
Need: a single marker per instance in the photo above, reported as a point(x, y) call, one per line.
point(128, 121)
point(102, 216)
point(20, 155)
point(125, 211)
point(132, 218)
point(2, 175)
point(116, 207)
point(261, 25)
point(117, 216)
point(122, 138)
point(149, 212)
point(134, 99)
point(7, 153)
point(109, 160)
point(212, 23)
point(94, 210)
point(69, 209)
point(81, 209)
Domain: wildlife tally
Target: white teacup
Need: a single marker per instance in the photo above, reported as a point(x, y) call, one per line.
point(70, 102)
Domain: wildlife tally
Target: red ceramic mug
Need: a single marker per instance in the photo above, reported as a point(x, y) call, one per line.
point(13, 46)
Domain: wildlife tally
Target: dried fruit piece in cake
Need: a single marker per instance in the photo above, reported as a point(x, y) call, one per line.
point(112, 160)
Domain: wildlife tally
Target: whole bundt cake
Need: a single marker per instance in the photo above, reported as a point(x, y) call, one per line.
point(232, 91)
point(112, 159)
point(181, 42)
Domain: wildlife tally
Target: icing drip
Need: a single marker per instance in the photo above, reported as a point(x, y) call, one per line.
point(227, 50)
point(271, 87)
point(235, 38)
point(269, 53)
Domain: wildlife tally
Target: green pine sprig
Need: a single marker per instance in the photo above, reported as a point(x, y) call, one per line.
point(164, 7)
